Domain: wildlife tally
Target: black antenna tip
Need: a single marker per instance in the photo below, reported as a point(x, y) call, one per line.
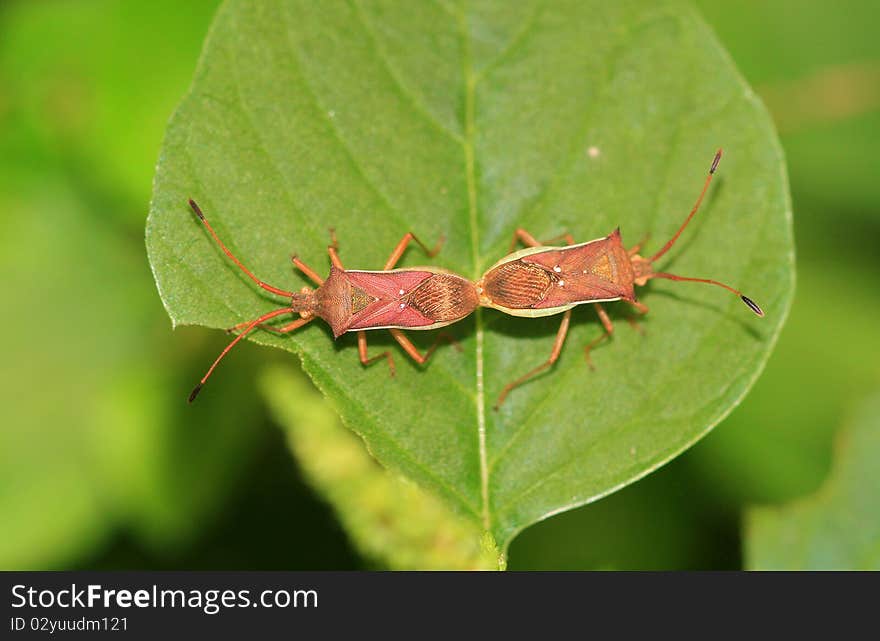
point(715, 162)
point(194, 393)
point(196, 209)
point(753, 305)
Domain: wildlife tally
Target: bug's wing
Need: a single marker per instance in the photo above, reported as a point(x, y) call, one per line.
point(437, 300)
point(387, 285)
point(581, 288)
point(385, 300)
point(597, 271)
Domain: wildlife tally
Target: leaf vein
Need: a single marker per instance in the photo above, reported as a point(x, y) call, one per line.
point(402, 90)
point(337, 134)
point(515, 43)
point(470, 172)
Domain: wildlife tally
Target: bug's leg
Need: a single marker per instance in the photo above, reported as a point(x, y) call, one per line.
point(286, 329)
point(449, 338)
point(413, 351)
point(524, 237)
point(635, 325)
point(641, 309)
point(333, 250)
point(310, 273)
point(334, 257)
point(409, 237)
point(406, 240)
point(557, 348)
point(530, 241)
point(609, 331)
point(369, 360)
point(568, 238)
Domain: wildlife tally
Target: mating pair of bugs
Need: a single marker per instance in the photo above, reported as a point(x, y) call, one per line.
point(536, 281)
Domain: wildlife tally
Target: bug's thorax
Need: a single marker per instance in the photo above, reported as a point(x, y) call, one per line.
point(333, 301)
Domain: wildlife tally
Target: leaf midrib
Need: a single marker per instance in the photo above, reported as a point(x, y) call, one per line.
point(470, 83)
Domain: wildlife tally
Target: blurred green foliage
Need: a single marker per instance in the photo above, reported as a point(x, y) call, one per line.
point(102, 464)
point(838, 526)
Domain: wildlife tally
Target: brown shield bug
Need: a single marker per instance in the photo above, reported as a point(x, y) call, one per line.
point(542, 281)
point(417, 298)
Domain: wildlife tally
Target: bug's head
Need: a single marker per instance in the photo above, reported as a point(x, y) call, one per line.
point(304, 302)
point(643, 270)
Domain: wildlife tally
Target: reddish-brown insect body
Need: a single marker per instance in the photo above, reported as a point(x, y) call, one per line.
point(542, 281)
point(417, 298)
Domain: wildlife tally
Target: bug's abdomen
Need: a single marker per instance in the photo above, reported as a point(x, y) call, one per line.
point(444, 298)
point(517, 285)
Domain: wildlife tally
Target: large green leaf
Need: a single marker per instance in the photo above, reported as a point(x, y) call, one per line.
point(837, 528)
point(469, 120)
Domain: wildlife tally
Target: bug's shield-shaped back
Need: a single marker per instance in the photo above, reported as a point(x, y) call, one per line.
point(596, 271)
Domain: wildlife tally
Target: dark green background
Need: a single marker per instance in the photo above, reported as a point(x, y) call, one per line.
point(85, 91)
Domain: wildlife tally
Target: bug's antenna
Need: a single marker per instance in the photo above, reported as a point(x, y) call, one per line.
point(647, 271)
point(267, 287)
point(672, 240)
point(250, 326)
point(748, 301)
